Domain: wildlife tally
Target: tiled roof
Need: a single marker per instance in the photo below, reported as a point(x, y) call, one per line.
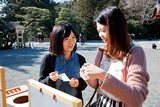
point(10, 25)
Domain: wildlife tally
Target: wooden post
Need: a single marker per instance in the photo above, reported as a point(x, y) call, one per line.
point(2, 88)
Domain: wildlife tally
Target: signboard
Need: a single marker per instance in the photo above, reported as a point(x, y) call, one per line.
point(41, 95)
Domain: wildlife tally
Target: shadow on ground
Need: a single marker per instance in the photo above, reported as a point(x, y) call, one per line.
point(13, 59)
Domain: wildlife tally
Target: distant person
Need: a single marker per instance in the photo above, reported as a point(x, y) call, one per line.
point(42, 37)
point(50, 35)
point(120, 72)
point(81, 39)
point(63, 59)
point(130, 36)
point(154, 46)
point(35, 37)
point(134, 36)
point(39, 37)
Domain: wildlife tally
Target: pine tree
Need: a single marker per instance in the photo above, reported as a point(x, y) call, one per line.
point(64, 16)
point(85, 11)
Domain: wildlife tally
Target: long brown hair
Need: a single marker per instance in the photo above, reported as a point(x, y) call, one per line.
point(118, 43)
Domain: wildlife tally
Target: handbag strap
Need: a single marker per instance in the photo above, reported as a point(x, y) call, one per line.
point(88, 104)
point(97, 63)
point(98, 57)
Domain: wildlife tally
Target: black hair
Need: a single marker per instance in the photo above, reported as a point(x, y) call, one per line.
point(59, 32)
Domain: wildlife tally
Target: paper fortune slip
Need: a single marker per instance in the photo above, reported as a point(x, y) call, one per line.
point(63, 77)
point(83, 76)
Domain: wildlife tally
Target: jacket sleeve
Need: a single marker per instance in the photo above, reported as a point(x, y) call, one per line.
point(46, 66)
point(82, 83)
point(134, 91)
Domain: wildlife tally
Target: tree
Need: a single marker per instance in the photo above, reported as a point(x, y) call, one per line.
point(64, 16)
point(84, 11)
point(32, 18)
point(114, 2)
point(139, 10)
point(138, 29)
point(13, 7)
point(13, 12)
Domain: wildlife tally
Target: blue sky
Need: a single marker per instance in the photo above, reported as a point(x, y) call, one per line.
point(1, 6)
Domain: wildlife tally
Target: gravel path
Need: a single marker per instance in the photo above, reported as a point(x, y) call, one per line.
point(23, 64)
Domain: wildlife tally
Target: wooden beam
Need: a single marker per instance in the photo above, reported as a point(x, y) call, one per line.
point(3, 87)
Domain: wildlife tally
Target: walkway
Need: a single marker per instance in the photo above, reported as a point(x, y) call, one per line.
point(23, 64)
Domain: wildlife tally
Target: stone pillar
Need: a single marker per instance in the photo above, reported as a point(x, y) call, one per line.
point(19, 32)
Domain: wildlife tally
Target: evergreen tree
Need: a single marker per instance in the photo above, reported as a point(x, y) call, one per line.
point(85, 11)
point(64, 16)
point(13, 12)
point(33, 19)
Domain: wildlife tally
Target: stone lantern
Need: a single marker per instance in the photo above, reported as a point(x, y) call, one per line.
point(19, 32)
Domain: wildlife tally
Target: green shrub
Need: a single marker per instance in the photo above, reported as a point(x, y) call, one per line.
point(136, 28)
point(2, 40)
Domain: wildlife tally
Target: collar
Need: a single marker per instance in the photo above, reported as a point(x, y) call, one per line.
point(62, 58)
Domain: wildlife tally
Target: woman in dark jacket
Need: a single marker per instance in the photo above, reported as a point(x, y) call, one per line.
point(63, 59)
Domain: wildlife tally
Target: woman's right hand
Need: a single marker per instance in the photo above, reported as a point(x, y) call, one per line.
point(53, 76)
point(93, 72)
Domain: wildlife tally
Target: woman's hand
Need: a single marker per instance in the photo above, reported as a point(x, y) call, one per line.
point(93, 72)
point(74, 82)
point(53, 76)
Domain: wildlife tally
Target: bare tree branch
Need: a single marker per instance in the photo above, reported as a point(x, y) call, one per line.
point(139, 10)
point(32, 21)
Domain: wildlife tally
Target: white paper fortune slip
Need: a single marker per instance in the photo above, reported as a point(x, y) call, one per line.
point(63, 77)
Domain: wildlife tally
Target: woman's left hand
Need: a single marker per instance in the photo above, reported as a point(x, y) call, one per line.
point(74, 82)
point(93, 72)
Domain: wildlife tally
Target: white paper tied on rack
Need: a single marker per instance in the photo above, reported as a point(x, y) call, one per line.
point(63, 77)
